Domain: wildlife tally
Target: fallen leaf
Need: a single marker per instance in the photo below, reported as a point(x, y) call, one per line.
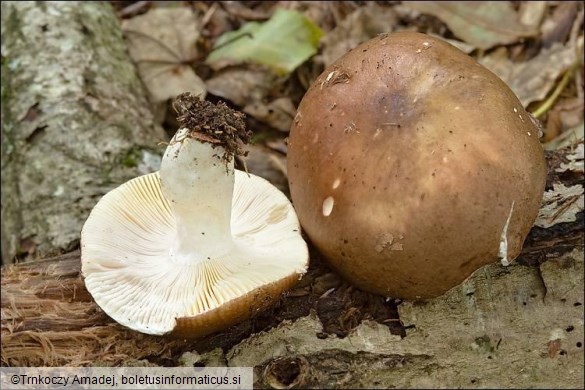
point(241, 84)
point(282, 43)
point(215, 21)
point(553, 125)
point(267, 164)
point(162, 43)
point(531, 80)
point(240, 11)
point(464, 47)
point(251, 88)
point(567, 114)
point(363, 24)
point(571, 112)
point(571, 137)
point(483, 24)
point(562, 204)
point(278, 145)
point(326, 14)
point(278, 113)
point(532, 12)
point(558, 27)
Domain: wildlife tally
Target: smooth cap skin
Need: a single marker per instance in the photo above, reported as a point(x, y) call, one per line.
point(411, 165)
point(131, 275)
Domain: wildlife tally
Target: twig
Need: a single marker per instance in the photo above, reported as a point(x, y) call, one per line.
point(208, 14)
point(133, 9)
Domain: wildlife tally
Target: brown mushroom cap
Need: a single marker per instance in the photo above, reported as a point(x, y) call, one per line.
point(411, 165)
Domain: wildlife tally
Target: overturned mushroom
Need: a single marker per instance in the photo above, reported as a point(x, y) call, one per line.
point(411, 165)
point(197, 246)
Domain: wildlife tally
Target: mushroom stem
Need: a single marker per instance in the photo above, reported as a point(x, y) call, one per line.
point(198, 183)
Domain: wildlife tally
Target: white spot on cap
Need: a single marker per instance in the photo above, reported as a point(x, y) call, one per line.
point(515, 110)
point(388, 241)
point(397, 247)
point(384, 241)
point(298, 117)
point(457, 107)
point(336, 183)
point(328, 206)
point(329, 77)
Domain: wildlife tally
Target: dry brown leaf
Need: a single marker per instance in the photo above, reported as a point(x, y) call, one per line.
point(532, 12)
point(268, 164)
point(215, 21)
point(249, 88)
point(363, 24)
point(240, 11)
point(570, 138)
point(279, 113)
point(483, 24)
point(162, 43)
point(464, 47)
point(553, 126)
point(277, 145)
point(558, 27)
point(326, 14)
point(571, 112)
point(241, 84)
point(531, 80)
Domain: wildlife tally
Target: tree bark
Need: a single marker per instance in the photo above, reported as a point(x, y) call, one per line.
point(516, 326)
point(75, 121)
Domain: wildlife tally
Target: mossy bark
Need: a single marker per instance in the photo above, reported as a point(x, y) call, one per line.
point(505, 327)
point(75, 121)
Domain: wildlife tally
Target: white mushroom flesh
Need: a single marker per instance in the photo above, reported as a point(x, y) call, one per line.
point(209, 234)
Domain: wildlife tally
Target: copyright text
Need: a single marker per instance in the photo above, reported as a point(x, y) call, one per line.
point(126, 378)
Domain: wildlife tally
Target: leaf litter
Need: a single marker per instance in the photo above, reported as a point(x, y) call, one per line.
point(262, 56)
point(533, 79)
point(282, 43)
point(162, 43)
point(483, 24)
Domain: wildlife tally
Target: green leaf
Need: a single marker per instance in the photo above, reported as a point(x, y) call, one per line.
point(282, 43)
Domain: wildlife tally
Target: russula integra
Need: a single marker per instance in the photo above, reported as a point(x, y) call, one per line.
point(411, 165)
point(197, 246)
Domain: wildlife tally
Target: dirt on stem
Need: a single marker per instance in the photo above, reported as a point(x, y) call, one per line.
point(216, 124)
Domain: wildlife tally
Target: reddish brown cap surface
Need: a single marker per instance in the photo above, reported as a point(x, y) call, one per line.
point(406, 159)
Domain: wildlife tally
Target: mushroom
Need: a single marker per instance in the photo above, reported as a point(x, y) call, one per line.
point(197, 246)
point(410, 166)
